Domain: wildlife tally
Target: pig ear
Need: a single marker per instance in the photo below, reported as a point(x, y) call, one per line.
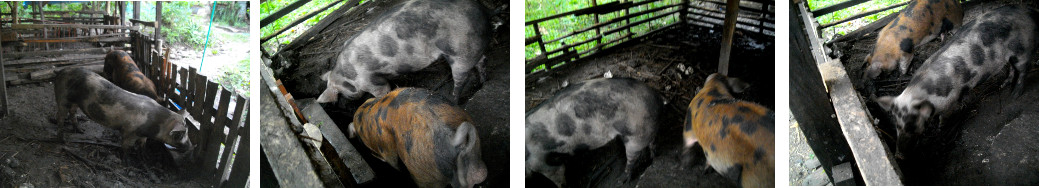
point(177, 135)
point(885, 102)
point(329, 95)
point(926, 110)
point(737, 85)
point(463, 136)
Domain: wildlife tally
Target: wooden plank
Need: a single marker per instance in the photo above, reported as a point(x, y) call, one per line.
point(338, 150)
point(298, 21)
point(73, 26)
point(232, 134)
point(613, 21)
point(142, 22)
point(36, 61)
point(240, 171)
point(813, 109)
point(874, 159)
point(60, 52)
point(530, 22)
point(863, 14)
point(289, 162)
point(206, 106)
point(216, 133)
point(836, 7)
point(158, 20)
point(281, 12)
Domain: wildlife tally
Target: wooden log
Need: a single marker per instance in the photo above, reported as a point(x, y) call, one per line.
point(281, 12)
point(298, 21)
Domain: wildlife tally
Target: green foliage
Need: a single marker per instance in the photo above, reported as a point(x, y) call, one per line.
point(559, 27)
point(235, 78)
point(268, 7)
point(231, 13)
point(843, 28)
point(182, 25)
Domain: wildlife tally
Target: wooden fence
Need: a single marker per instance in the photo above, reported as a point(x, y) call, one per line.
point(221, 126)
point(615, 23)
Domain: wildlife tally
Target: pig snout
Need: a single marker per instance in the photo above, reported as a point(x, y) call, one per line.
point(471, 169)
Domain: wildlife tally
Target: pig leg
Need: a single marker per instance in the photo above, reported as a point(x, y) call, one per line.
point(379, 86)
point(481, 68)
point(633, 148)
point(460, 68)
point(687, 151)
point(1022, 70)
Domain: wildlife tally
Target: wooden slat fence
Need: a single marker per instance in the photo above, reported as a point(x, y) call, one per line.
point(614, 23)
point(221, 125)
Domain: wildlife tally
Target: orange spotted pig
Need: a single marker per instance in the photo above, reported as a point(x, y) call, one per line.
point(737, 136)
point(431, 136)
point(121, 70)
point(921, 21)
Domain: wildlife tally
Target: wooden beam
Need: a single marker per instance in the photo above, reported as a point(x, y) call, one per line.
point(67, 40)
point(33, 61)
point(60, 52)
point(75, 26)
point(863, 14)
point(281, 12)
point(137, 10)
point(732, 9)
point(142, 22)
point(345, 159)
point(300, 20)
point(874, 159)
point(835, 7)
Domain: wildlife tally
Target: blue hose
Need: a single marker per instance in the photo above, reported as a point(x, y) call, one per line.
point(211, 14)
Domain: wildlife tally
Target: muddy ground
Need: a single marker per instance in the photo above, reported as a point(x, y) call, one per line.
point(991, 140)
point(675, 62)
point(487, 103)
point(31, 153)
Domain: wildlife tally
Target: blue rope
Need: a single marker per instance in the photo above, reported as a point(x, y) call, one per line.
point(211, 14)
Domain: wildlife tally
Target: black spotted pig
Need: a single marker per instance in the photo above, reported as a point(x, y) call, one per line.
point(136, 116)
point(918, 23)
point(1004, 37)
point(588, 115)
point(121, 70)
point(738, 137)
point(431, 136)
point(407, 38)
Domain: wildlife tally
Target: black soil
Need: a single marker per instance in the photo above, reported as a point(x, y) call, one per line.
point(990, 140)
point(486, 103)
point(31, 152)
point(657, 62)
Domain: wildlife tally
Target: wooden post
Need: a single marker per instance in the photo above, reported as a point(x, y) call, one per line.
point(3, 85)
point(597, 31)
point(684, 13)
point(137, 10)
point(14, 11)
point(732, 11)
point(158, 20)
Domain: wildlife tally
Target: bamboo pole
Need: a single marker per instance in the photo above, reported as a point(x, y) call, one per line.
point(732, 9)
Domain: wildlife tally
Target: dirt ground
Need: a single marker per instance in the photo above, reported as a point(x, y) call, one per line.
point(989, 141)
point(31, 153)
point(487, 102)
point(675, 62)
